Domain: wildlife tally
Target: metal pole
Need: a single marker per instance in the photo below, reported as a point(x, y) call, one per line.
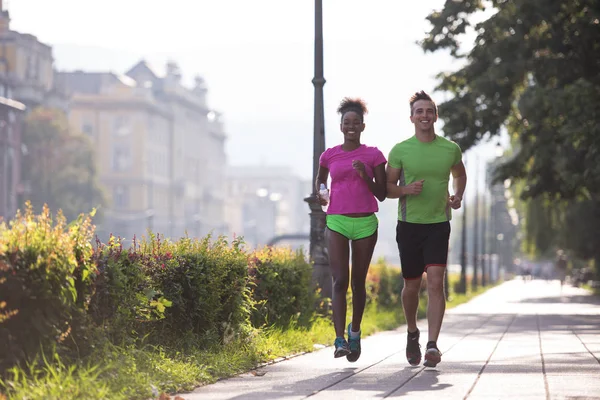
point(462, 288)
point(484, 237)
point(475, 281)
point(493, 239)
point(318, 247)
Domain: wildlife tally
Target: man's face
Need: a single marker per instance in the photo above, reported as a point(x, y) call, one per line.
point(423, 114)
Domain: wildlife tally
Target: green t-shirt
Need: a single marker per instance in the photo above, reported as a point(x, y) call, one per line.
point(432, 162)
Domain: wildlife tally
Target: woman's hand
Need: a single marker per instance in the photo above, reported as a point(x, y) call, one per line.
point(360, 168)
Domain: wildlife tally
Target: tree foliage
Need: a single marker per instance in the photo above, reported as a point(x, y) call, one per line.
point(534, 69)
point(59, 165)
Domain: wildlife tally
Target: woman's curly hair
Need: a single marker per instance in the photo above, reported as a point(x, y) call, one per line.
point(356, 105)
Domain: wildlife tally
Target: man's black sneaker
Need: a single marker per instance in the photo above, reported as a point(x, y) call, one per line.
point(433, 356)
point(413, 348)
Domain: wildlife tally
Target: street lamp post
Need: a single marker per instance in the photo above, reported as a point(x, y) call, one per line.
point(318, 249)
point(463, 250)
point(484, 256)
point(495, 248)
point(475, 281)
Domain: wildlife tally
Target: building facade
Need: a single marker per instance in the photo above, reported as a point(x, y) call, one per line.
point(198, 150)
point(160, 150)
point(25, 65)
point(11, 187)
point(28, 65)
point(263, 203)
point(130, 133)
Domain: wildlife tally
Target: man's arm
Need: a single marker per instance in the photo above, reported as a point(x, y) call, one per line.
point(394, 191)
point(392, 177)
point(459, 183)
point(459, 179)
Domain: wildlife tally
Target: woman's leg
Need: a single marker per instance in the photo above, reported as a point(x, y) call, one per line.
point(362, 252)
point(339, 258)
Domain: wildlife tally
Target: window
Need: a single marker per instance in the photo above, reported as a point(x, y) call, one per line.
point(29, 72)
point(121, 197)
point(121, 126)
point(87, 128)
point(121, 157)
point(150, 162)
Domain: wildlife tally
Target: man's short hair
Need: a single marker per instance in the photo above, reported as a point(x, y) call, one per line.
point(421, 96)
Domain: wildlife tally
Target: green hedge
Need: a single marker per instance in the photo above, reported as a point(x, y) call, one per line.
point(57, 290)
point(384, 285)
point(124, 300)
point(282, 288)
point(206, 282)
point(45, 274)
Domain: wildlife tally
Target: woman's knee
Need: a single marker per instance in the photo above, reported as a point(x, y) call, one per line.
point(359, 285)
point(340, 284)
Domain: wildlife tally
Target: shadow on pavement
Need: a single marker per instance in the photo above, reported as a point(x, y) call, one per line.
point(301, 387)
point(426, 381)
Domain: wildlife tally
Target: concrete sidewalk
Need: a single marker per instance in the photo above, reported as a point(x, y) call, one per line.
point(520, 340)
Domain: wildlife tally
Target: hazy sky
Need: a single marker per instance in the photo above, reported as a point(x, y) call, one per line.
point(257, 58)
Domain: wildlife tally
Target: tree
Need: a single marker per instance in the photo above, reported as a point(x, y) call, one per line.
point(534, 69)
point(59, 165)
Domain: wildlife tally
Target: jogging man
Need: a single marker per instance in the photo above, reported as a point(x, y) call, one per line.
point(418, 174)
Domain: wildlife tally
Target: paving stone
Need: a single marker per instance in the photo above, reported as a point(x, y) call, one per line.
point(519, 340)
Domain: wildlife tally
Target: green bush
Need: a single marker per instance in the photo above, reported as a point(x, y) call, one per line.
point(388, 284)
point(206, 283)
point(124, 300)
point(45, 276)
point(282, 288)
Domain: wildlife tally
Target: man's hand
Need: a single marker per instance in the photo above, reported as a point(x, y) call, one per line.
point(455, 202)
point(360, 168)
point(414, 188)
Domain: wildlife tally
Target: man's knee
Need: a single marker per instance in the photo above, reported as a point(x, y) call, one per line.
point(412, 285)
point(435, 279)
point(435, 287)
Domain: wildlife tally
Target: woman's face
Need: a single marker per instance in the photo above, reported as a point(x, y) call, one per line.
point(352, 125)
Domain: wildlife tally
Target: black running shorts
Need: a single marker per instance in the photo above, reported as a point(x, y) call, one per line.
point(422, 246)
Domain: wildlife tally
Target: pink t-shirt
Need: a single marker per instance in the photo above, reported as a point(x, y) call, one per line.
point(349, 194)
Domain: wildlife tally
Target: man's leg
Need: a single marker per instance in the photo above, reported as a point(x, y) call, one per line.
point(436, 305)
point(413, 265)
point(436, 258)
point(410, 301)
